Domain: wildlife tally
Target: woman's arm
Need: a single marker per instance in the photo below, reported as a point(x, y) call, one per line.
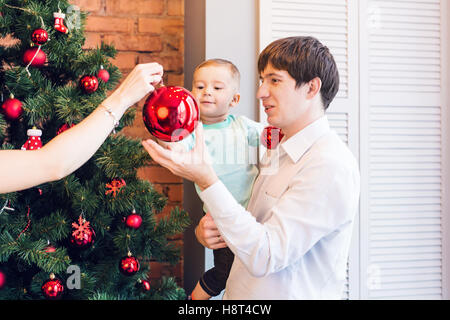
point(71, 149)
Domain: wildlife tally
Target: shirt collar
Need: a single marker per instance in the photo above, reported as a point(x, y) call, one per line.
point(299, 143)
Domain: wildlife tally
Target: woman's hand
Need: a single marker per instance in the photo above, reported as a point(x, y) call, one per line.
point(141, 81)
point(194, 165)
point(207, 233)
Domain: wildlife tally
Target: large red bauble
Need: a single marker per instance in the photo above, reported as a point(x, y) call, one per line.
point(134, 221)
point(89, 83)
point(12, 108)
point(271, 137)
point(171, 113)
point(39, 36)
point(129, 265)
point(38, 61)
point(52, 288)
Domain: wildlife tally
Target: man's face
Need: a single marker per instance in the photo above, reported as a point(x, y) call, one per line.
point(283, 103)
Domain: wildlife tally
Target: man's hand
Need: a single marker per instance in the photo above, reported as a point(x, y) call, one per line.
point(208, 234)
point(194, 165)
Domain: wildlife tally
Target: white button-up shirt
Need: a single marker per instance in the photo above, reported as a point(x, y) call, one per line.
point(293, 240)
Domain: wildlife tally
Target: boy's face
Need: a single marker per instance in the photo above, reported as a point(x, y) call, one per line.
point(215, 90)
point(284, 104)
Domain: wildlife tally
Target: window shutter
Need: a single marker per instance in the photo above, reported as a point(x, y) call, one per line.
point(330, 22)
point(401, 150)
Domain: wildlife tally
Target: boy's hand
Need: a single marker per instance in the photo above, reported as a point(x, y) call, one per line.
point(208, 234)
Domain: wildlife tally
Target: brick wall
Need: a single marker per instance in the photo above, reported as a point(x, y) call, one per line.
point(143, 31)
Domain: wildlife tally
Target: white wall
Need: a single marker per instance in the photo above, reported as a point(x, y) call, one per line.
point(227, 30)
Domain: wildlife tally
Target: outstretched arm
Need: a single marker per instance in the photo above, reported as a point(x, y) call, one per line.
point(71, 149)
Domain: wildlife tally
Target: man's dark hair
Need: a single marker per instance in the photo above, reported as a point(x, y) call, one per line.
point(304, 58)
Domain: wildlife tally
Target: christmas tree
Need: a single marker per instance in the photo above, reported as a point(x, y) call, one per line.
point(92, 234)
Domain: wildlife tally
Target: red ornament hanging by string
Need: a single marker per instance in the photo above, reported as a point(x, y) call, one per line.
point(34, 140)
point(12, 108)
point(2, 279)
point(64, 127)
point(171, 113)
point(144, 285)
point(83, 235)
point(103, 74)
point(53, 288)
point(59, 22)
point(133, 220)
point(39, 36)
point(89, 84)
point(129, 265)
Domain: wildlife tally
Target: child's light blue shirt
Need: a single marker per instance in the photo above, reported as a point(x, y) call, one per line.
point(233, 147)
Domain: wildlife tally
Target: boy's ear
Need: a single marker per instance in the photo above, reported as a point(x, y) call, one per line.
point(236, 98)
point(314, 87)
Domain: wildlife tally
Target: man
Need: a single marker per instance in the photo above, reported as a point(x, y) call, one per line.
point(293, 240)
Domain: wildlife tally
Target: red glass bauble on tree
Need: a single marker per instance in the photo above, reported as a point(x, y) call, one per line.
point(83, 235)
point(52, 288)
point(171, 113)
point(34, 57)
point(271, 137)
point(39, 36)
point(129, 265)
point(144, 285)
point(133, 220)
point(89, 84)
point(103, 74)
point(64, 127)
point(12, 108)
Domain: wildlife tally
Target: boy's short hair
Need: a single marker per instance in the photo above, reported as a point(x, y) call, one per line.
point(304, 58)
point(236, 75)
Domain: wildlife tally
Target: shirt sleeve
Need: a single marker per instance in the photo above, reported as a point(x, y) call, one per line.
point(317, 202)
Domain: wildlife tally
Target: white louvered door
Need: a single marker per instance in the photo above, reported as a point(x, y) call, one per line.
point(390, 110)
point(401, 148)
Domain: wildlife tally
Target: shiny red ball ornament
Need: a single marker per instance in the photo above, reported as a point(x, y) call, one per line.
point(103, 74)
point(129, 265)
point(64, 127)
point(34, 57)
point(133, 221)
point(89, 84)
point(171, 113)
point(53, 288)
point(144, 285)
point(2, 279)
point(82, 236)
point(39, 36)
point(12, 108)
point(271, 137)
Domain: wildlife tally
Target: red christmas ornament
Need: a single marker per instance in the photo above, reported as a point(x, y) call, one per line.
point(34, 140)
point(271, 137)
point(103, 74)
point(12, 108)
point(129, 265)
point(114, 186)
point(83, 235)
point(2, 279)
point(39, 36)
point(170, 113)
point(89, 84)
point(134, 220)
point(64, 127)
point(34, 57)
point(52, 288)
point(144, 285)
point(59, 22)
